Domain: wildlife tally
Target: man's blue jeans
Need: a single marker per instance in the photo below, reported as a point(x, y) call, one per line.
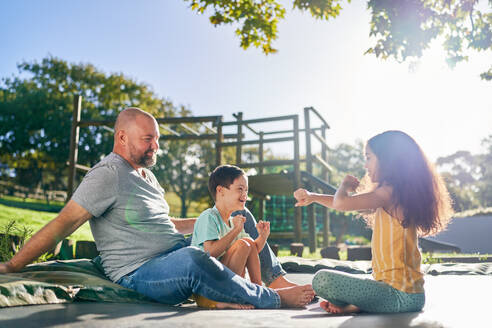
point(173, 276)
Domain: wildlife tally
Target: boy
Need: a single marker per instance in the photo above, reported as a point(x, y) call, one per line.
point(224, 237)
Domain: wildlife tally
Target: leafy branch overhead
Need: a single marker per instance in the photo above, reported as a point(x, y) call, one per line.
point(400, 29)
point(258, 20)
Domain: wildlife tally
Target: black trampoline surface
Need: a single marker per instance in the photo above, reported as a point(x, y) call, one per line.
point(452, 301)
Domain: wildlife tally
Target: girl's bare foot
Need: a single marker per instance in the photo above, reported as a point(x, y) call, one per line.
point(223, 305)
point(296, 296)
point(332, 308)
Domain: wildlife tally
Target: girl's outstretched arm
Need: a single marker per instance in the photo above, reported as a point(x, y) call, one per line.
point(305, 198)
point(345, 201)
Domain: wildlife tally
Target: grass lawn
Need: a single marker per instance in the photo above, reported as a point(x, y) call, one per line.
point(34, 214)
point(31, 204)
point(35, 220)
point(175, 206)
point(305, 254)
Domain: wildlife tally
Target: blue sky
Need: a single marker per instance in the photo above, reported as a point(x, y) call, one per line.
point(320, 64)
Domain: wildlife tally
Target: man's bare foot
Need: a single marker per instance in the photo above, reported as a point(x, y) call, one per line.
point(296, 296)
point(207, 303)
point(223, 305)
point(332, 308)
point(282, 282)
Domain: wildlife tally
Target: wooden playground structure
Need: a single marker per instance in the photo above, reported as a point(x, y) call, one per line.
point(261, 185)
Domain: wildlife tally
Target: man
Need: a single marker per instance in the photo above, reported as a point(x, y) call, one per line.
point(141, 247)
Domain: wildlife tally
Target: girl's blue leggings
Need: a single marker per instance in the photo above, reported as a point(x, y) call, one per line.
point(340, 288)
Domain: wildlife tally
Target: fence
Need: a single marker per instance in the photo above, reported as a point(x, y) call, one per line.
point(11, 189)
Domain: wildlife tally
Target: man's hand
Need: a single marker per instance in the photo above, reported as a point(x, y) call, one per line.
point(184, 226)
point(68, 220)
point(303, 197)
point(263, 228)
point(238, 222)
point(6, 268)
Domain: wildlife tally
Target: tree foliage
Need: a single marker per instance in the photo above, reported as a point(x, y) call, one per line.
point(469, 177)
point(35, 125)
point(184, 165)
point(36, 115)
point(346, 159)
point(259, 19)
point(460, 172)
point(400, 29)
point(404, 29)
point(484, 183)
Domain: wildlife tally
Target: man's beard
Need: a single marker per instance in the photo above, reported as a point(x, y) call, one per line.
point(144, 160)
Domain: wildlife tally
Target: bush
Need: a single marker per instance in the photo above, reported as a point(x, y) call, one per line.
point(12, 239)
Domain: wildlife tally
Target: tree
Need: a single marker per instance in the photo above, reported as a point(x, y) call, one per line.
point(346, 159)
point(184, 165)
point(484, 184)
point(36, 115)
point(468, 177)
point(460, 172)
point(183, 170)
point(402, 29)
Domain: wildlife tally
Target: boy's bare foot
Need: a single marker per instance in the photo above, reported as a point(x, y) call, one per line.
point(332, 308)
point(282, 282)
point(223, 305)
point(296, 296)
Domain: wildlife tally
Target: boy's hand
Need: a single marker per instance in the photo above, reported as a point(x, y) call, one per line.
point(263, 228)
point(303, 197)
point(350, 183)
point(238, 222)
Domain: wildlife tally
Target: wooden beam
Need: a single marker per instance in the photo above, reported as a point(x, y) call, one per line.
point(74, 144)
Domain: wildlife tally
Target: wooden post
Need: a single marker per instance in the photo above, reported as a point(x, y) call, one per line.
point(326, 212)
point(218, 147)
point(260, 171)
point(239, 118)
point(309, 168)
point(297, 180)
point(74, 145)
point(260, 151)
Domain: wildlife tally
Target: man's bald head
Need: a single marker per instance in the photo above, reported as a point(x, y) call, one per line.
point(136, 137)
point(127, 118)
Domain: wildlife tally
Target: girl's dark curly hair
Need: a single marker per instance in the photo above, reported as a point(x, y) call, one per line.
point(418, 192)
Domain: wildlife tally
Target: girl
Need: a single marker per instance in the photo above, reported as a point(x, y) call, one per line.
point(403, 197)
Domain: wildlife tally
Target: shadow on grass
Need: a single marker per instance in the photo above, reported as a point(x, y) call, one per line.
point(31, 206)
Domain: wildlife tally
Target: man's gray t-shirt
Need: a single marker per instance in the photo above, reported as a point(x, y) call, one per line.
point(130, 221)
